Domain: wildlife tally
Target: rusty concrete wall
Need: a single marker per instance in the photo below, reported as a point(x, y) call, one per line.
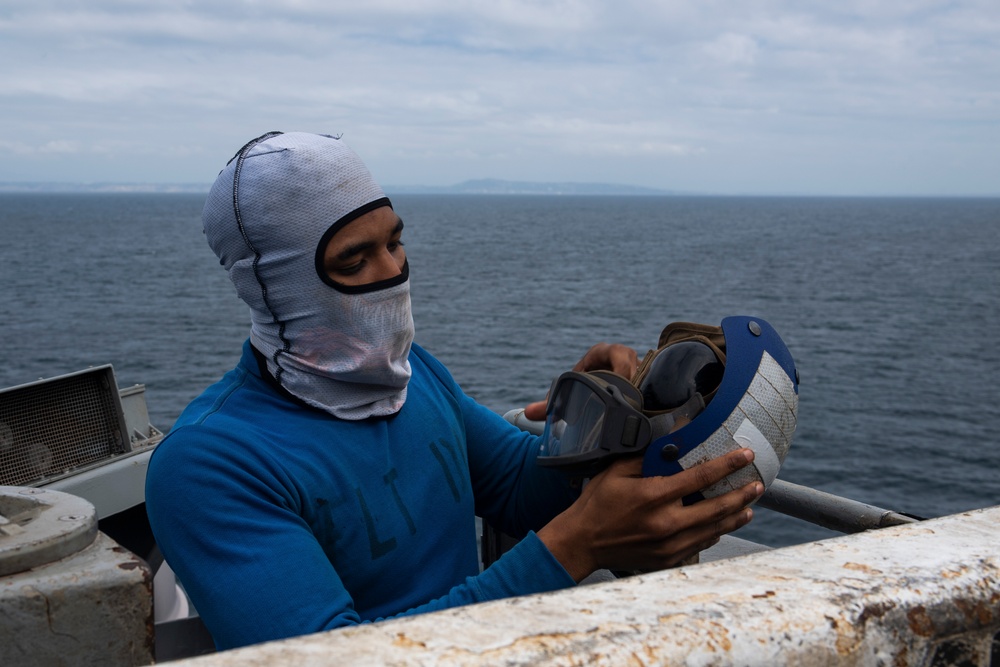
point(908, 595)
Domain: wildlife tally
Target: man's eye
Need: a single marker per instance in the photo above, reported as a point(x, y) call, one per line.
point(347, 270)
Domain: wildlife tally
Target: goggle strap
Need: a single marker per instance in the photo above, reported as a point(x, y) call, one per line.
point(640, 370)
point(675, 332)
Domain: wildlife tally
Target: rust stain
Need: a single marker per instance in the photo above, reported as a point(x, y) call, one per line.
point(149, 639)
point(847, 638)
point(556, 643)
point(129, 566)
point(402, 640)
point(876, 610)
point(765, 594)
point(975, 611)
point(920, 622)
point(861, 567)
point(671, 618)
point(719, 634)
point(545, 642)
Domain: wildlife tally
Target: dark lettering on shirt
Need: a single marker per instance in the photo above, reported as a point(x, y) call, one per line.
point(324, 523)
point(438, 452)
point(390, 480)
point(378, 547)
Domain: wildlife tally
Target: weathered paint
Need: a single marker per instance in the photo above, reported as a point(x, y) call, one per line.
point(39, 526)
point(894, 597)
point(69, 595)
point(94, 607)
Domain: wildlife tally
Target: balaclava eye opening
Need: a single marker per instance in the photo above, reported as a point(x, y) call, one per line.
point(332, 231)
point(268, 217)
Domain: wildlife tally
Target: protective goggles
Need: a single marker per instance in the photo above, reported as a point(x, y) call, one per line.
point(594, 417)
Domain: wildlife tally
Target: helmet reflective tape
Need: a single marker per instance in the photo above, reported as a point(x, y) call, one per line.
point(762, 421)
point(756, 406)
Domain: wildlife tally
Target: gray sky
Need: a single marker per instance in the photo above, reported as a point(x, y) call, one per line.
point(774, 96)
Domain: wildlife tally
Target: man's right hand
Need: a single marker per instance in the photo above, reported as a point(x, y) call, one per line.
point(624, 521)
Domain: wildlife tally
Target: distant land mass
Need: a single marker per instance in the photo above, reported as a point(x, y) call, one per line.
point(105, 187)
point(494, 186)
point(484, 186)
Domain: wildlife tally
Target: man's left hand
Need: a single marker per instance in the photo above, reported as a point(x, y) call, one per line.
point(613, 357)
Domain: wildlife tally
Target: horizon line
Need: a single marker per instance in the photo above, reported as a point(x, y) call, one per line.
point(516, 188)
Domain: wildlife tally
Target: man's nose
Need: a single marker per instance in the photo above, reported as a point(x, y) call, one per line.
point(389, 265)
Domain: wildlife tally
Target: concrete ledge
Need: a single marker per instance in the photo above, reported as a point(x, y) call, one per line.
point(907, 595)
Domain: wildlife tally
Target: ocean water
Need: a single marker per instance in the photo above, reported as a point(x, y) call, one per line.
point(891, 308)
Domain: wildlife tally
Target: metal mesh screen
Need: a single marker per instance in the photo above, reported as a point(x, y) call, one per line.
point(49, 428)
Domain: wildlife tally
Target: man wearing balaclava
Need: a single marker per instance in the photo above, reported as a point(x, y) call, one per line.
point(334, 476)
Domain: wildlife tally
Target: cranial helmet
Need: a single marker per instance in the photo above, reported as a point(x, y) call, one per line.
point(703, 392)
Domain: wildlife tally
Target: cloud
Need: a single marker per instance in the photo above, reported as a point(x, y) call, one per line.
point(646, 86)
point(16, 148)
point(733, 49)
point(60, 146)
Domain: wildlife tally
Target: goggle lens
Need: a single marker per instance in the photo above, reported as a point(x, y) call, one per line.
point(677, 373)
point(574, 422)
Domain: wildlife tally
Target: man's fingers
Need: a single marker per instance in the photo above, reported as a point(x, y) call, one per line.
point(703, 536)
point(706, 474)
point(725, 525)
point(623, 360)
point(535, 411)
point(720, 513)
point(686, 482)
point(620, 359)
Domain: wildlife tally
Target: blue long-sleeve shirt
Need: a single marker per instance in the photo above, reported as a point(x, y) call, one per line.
point(281, 520)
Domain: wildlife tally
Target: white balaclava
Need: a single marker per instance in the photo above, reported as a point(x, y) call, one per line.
point(268, 217)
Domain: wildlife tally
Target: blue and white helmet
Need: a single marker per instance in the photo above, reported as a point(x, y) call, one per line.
point(755, 405)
